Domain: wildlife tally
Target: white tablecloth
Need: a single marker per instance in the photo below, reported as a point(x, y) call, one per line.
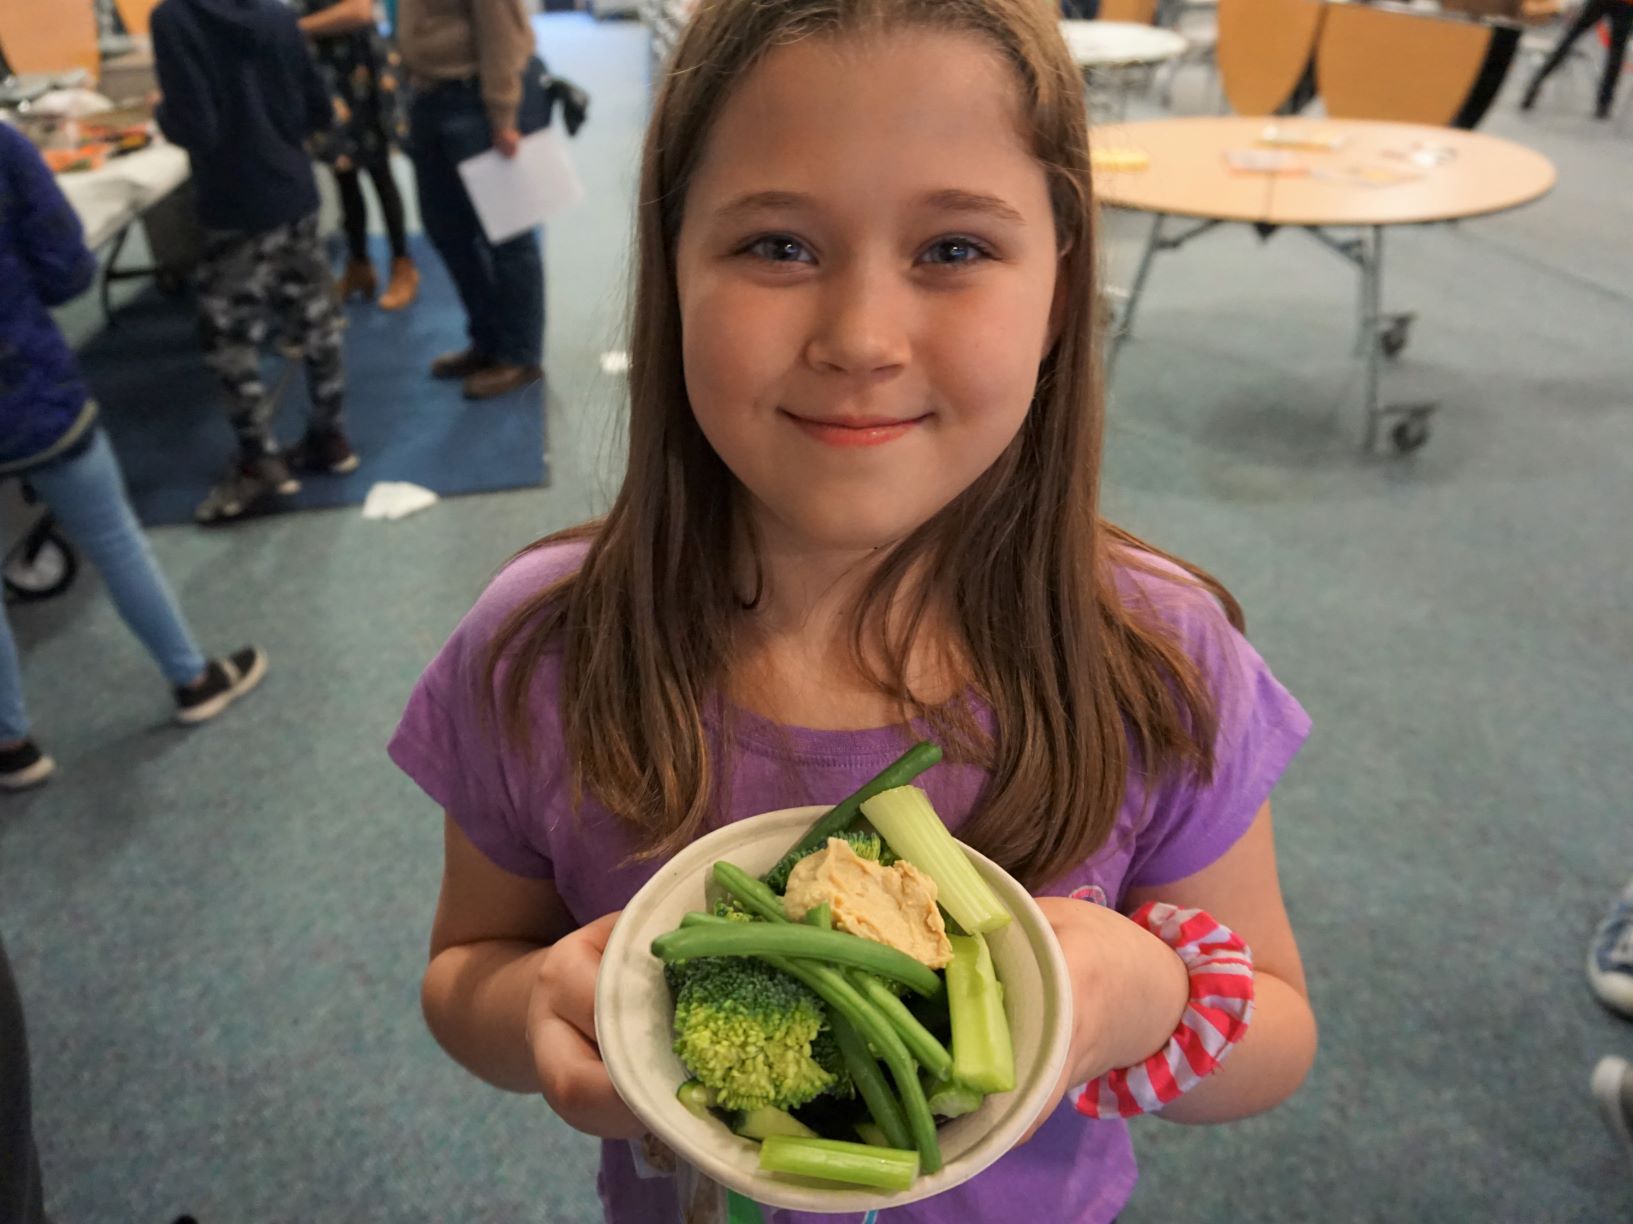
point(1113, 44)
point(109, 198)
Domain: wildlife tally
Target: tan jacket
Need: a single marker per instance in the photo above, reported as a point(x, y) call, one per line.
point(453, 40)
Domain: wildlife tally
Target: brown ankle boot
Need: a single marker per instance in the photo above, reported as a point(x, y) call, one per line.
point(359, 279)
point(404, 285)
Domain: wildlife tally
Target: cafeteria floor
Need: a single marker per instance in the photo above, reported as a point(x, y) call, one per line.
point(219, 934)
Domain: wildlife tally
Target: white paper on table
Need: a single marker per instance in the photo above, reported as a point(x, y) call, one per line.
point(395, 499)
point(512, 195)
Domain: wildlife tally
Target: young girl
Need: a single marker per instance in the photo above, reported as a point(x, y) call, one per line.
point(861, 508)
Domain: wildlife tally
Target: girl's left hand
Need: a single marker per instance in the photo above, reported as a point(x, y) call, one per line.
point(1129, 991)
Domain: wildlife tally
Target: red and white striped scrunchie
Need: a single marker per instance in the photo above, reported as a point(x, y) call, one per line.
point(1221, 1008)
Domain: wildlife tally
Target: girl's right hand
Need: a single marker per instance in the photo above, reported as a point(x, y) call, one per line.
point(561, 1034)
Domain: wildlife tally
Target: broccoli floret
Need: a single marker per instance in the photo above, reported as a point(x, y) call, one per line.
point(867, 845)
point(745, 1030)
point(826, 1054)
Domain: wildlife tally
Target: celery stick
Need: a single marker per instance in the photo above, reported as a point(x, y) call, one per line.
point(983, 1057)
point(836, 1160)
point(906, 820)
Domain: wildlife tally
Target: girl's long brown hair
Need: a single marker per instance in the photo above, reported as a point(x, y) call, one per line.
point(1083, 685)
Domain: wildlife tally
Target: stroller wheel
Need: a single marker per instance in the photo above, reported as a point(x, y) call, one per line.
point(40, 566)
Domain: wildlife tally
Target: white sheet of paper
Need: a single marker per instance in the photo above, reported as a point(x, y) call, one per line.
point(512, 195)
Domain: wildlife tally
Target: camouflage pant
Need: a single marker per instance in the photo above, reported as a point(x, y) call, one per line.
point(244, 279)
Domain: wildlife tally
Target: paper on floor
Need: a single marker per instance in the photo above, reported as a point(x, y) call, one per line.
point(512, 195)
point(395, 499)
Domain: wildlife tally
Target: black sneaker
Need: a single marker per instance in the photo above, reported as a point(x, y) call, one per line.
point(325, 451)
point(249, 487)
point(24, 766)
point(225, 681)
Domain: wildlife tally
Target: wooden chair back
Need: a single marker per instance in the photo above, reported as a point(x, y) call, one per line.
point(1381, 63)
point(49, 36)
point(1265, 48)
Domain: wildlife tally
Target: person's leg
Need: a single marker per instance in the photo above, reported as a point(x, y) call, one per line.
point(1620, 17)
point(13, 714)
point(447, 128)
point(391, 203)
point(22, 1198)
point(404, 285)
point(87, 495)
point(354, 212)
point(358, 280)
point(1587, 17)
point(518, 272)
point(233, 282)
point(304, 297)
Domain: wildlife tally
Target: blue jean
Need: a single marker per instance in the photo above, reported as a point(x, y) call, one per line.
point(86, 493)
point(501, 285)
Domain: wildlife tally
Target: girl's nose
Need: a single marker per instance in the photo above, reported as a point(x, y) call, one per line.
point(860, 328)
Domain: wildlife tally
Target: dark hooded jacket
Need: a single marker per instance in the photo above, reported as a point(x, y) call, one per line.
point(241, 95)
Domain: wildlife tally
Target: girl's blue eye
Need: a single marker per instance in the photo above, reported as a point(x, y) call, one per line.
point(955, 251)
point(778, 249)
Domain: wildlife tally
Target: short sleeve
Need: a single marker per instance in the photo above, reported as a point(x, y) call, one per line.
point(449, 744)
point(1260, 729)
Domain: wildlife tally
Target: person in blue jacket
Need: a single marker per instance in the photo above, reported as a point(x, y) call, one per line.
point(49, 436)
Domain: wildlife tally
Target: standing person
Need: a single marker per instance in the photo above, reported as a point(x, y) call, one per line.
point(861, 503)
point(1619, 15)
point(22, 1196)
point(362, 72)
point(49, 435)
point(476, 85)
point(241, 95)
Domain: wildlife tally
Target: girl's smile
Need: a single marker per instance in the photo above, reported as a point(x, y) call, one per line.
point(855, 431)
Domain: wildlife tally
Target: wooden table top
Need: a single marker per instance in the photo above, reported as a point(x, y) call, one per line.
point(1381, 173)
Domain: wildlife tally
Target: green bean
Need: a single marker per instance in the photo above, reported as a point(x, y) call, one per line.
point(751, 892)
point(869, 1081)
point(920, 1041)
point(830, 985)
point(790, 939)
point(899, 772)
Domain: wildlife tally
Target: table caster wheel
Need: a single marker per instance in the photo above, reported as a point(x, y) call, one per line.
point(1410, 434)
point(1394, 337)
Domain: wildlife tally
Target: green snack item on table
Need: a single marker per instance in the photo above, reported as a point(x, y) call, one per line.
point(856, 1164)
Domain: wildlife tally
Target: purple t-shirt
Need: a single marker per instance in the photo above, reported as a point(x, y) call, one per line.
point(516, 810)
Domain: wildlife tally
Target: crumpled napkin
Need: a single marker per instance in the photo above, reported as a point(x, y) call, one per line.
point(395, 499)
